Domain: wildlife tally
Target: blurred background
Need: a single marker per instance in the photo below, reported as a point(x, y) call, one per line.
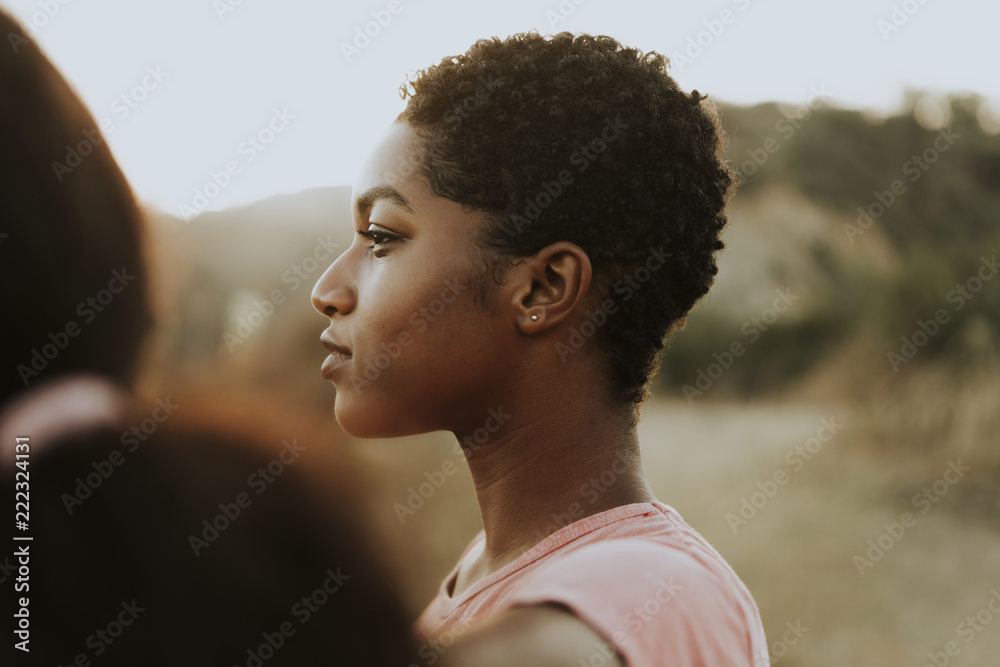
point(843, 371)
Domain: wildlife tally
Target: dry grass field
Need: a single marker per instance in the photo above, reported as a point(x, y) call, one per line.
point(796, 554)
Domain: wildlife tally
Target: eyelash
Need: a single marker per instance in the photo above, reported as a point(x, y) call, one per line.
point(373, 236)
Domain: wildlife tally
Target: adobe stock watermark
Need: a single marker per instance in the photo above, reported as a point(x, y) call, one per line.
point(895, 531)
point(435, 479)
point(294, 276)
point(635, 621)
point(249, 149)
point(364, 35)
point(455, 115)
point(927, 329)
point(581, 158)
point(592, 490)
point(419, 321)
point(229, 512)
point(22, 629)
point(469, 104)
point(790, 637)
point(796, 458)
point(432, 649)
point(967, 630)
point(36, 22)
point(302, 611)
point(627, 286)
point(752, 330)
point(122, 108)
point(130, 439)
point(786, 127)
point(915, 168)
point(899, 17)
point(88, 310)
point(698, 43)
point(225, 7)
point(562, 12)
point(7, 569)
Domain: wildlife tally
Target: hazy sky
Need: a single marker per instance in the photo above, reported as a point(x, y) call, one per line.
point(200, 77)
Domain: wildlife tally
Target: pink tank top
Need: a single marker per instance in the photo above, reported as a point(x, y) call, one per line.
point(648, 583)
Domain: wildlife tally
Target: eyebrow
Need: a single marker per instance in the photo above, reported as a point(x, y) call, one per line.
point(365, 201)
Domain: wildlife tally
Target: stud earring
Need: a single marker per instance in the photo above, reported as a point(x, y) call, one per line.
point(534, 317)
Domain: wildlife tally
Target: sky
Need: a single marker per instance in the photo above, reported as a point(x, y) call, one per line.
point(209, 104)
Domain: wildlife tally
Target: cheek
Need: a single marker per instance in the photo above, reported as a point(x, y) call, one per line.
point(406, 377)
point(410, 304)
point(418, 335)
point(397, 310)
point(417, 345)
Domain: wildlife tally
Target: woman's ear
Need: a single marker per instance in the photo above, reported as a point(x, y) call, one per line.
point(548, 286)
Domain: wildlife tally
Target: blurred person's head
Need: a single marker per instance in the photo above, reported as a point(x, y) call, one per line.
point(130, 562)
point(201, 545)
point(540, 203)
point(76, 288)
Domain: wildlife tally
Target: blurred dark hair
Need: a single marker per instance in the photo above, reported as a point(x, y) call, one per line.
point(116, 519)
point(217, 601)
point(68, 228)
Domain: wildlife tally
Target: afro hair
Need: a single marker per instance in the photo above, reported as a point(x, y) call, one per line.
point(582, 139)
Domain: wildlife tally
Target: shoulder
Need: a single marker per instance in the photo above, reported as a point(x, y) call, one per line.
point(629, 570)
point(540, 635)
point(652, 598)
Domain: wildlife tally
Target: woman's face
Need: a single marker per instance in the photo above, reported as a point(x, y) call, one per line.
point(418, 353)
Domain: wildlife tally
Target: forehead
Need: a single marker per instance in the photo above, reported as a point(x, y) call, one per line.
point(393, 177)
point(392, 169)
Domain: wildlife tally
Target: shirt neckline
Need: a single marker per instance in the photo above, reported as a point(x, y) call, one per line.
point(549, 543)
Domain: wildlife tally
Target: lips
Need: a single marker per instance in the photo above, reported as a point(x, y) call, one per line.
point(339, 355)
point(334, 347)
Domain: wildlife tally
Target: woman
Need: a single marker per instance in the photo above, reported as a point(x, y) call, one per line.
point(533, 224)
point(155, 535)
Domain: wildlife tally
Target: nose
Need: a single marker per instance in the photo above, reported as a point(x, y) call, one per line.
point(334, 292)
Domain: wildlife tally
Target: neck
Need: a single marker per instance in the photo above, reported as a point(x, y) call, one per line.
point(548, 465)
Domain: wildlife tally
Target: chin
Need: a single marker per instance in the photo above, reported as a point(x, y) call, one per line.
point(357, 421)
point(350, 421)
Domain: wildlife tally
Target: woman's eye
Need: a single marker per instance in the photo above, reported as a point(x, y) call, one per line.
point(377, 237)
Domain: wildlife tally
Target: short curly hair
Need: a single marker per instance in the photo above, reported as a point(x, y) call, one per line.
point(519, 129)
